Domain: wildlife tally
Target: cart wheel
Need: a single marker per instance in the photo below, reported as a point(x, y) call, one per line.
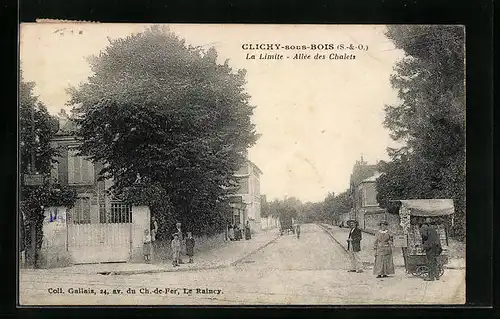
point(422, 271)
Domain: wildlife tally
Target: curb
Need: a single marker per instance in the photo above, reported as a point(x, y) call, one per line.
point(154, 271)
point(326, 229)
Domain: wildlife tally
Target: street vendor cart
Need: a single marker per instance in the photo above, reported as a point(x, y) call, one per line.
point(412, 214)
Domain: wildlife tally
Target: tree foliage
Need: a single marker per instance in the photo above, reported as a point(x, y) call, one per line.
point(170, 113)
point(429, 121)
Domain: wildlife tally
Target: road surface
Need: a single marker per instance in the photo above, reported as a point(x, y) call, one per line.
point(309, 270)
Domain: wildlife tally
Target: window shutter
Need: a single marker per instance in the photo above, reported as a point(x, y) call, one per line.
point(84, 170)
point(78, 169)
point(90, 171)
point(86, 210)
point(71, 167)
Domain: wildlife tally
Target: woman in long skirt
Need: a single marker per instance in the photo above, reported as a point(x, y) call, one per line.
point(231, 232)
point(384, 264)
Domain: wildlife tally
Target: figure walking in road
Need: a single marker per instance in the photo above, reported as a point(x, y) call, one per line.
point(432, 247)
point(354, 247)
point(190, 246)
point(382, 246)
point(297, 230)
point(176, 250)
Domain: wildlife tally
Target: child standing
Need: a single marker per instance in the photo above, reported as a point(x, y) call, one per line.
point(176, 250)
point(147, 245)
point(190, 246)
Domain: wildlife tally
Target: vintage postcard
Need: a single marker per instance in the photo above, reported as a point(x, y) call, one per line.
point(234, 164)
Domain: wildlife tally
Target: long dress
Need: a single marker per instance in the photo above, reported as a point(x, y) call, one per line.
point(384, 264)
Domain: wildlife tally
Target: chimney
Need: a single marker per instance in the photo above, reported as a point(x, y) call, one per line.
point(63, 119)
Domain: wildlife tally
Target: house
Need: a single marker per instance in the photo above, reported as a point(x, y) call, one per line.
point(99, 228)
point(246, 202)
point(363, 193)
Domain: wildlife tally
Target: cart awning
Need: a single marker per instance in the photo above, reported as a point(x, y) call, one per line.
point(429, 207)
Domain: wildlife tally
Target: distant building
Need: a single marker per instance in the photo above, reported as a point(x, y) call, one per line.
point(246, 201)
point(363, 193)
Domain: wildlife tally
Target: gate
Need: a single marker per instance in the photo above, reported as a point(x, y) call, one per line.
point(106, 239)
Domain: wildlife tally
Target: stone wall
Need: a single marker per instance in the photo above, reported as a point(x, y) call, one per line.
point(141, 220)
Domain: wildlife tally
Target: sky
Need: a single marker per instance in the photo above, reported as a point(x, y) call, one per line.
point(316, 117)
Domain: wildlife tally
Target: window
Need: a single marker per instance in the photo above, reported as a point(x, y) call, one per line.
point(120, 213)
point(80, 213)
point(80, 170)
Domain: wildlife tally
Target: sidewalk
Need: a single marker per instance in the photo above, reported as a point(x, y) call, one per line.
point(229, 254)
point(366, 254)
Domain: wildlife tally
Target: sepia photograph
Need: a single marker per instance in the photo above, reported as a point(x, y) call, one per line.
point(241, 164)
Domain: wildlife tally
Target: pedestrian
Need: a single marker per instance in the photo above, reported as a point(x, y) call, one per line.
point(354, 247)
point(297, 230)
point(237, 232)
point(230, 232)
point(147, 245)
point(180, 234)
point(190, 246)
point(384, 264)
point(248, 234)
point(431, 244)
point(176, 250)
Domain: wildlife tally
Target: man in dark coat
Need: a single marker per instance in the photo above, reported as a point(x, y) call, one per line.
point(431, 244)
point(354, 247)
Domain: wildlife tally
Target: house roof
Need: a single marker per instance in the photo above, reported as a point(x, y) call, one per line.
point(429, 207)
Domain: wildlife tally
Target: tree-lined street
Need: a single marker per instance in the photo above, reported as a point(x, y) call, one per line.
point(309, 270)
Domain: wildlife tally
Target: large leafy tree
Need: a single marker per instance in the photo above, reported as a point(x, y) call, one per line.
point(36, 129)
point(429, 121)
point(169, 113)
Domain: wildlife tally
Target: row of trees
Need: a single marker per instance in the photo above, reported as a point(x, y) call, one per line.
point(330, 209)
point(430, 120)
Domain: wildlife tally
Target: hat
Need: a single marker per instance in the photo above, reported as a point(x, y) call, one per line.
point(175, 235)
point(384, 222)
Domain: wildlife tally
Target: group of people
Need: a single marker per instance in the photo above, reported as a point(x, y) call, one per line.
point(179, 243)
point(236, 232)
point(383, 248)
